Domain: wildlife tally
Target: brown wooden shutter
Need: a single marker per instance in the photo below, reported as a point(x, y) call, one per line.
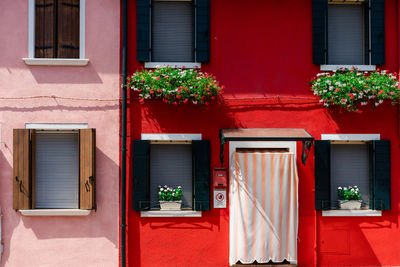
point(68, 29)
point(22, 178)
point(45, 25)
point(87, 170)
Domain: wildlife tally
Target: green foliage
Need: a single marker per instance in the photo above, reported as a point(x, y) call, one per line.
point(167, 193)
point(351, 193)
point(174, 85)
point(352, 88)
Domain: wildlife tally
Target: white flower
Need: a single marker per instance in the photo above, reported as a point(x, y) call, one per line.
point(179, 186)
point(355, 186)
point(162, 189)
point(159, 193)
point(339, 188)
point(344, 188)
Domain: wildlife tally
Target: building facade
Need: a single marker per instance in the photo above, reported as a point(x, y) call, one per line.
point(59, 161)
point(265, 53)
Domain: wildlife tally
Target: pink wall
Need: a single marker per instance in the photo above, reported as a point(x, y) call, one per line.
point(62, 241)
point(260, 50)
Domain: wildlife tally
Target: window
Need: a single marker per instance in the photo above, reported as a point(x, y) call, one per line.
point(343, 163)
point(173, 31)
point(54, 169)
point(56, 32)
point(173, 163)
point(349, 32)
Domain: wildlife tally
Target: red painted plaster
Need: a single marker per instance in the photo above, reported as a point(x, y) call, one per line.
point(262, 52)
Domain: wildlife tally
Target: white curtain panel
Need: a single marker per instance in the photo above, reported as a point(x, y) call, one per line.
point(263, 217)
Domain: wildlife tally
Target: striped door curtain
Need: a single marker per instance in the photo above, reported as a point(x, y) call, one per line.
point(263, 216)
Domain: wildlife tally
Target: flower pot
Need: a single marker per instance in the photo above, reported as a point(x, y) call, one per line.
point(170, 205)
point(350, 204)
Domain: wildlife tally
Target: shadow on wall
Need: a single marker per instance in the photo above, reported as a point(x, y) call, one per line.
point(65, 75)
point(100, 224)
point(355, 239)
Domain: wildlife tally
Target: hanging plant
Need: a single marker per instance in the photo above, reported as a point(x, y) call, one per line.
point(352, 88)
point(175, 85)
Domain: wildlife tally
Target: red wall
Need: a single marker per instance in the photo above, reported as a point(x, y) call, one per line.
point(262, 52)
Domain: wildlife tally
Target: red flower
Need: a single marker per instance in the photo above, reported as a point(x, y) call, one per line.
point(213, 97)
point(158, 78)
point(141, 100)
point(337, 90)
point(143, 80)
point(159, 90)
point(380, 92)
point(185, 101)
point(178, 96)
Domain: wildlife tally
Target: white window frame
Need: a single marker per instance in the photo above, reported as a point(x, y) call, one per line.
point(56, 212)
point(351, 137)
point(171, 137)
point(189, 65)
point(31, 60)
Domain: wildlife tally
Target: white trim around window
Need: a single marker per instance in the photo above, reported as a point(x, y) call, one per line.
point(188, 65)
point(56, 126)
point(55, 212)
point(31, 60)
point(171, 137)
point(358, 67)
point(351, 137)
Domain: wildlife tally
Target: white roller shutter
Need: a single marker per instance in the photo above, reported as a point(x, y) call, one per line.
point(57, 170)
point(172, 31)
point(171, 165)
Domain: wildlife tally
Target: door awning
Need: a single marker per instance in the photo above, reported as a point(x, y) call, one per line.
point(267, 134)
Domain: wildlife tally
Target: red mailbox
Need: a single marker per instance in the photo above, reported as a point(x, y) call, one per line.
point(220, 177)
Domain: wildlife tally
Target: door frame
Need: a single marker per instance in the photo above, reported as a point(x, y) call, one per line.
point(233, 145)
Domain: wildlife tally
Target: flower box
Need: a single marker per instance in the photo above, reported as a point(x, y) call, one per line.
point(174, 85)
point(350, 204)
point(352, 88)
point(170, 205)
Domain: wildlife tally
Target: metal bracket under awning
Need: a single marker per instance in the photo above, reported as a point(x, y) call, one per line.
point(267, 134)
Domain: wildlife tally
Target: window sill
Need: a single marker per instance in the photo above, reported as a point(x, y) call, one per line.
point(358, 67)
point(172, 213)
point(56, 61)
point(188, 65)
point(55, 212)
point(351, 213)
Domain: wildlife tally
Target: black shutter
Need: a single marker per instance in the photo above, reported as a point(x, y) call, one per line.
point(202, 30)
point(143, 30)
point(367, 48)
point(201, 171)
point(140, 175)
point(377, 32)
point(322, 175)
point(382, 174)
point(320, 11)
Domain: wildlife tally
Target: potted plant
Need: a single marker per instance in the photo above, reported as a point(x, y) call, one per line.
point(170, 198)
point(349, 198)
